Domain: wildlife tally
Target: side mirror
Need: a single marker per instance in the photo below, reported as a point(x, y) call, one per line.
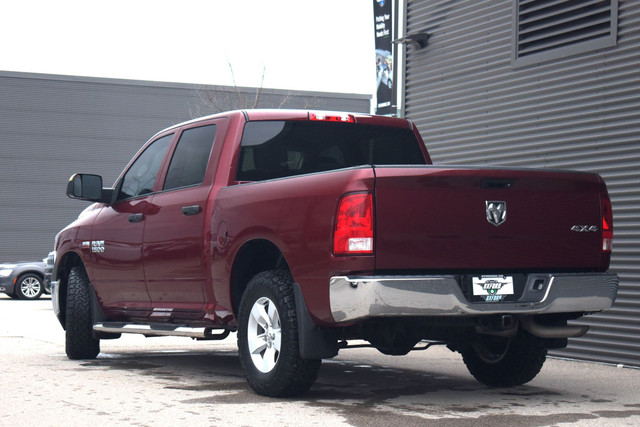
point(85, 187)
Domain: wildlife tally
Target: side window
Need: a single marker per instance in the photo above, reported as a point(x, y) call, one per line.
point(141, 176)
point(189, 162)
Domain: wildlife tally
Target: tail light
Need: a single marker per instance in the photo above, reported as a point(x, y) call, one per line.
point(607, 225)
point(353, 233)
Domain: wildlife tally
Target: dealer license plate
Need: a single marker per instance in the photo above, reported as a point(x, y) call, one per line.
point(492, 288)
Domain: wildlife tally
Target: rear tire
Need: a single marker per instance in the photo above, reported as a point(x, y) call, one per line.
point(505, 361)
point(80, 342)
point(29, 287)
point(268, 338)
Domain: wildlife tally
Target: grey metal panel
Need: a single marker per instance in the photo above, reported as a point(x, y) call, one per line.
point(580, 112)
point(54, 126)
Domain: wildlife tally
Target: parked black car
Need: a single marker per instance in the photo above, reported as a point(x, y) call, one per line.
point(23, 280)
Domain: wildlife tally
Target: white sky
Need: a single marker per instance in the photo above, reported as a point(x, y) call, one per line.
point(304, 45)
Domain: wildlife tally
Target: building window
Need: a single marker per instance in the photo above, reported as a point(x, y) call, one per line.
point(549, 29)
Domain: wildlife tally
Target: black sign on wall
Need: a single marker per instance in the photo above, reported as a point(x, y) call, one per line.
point(382, 15)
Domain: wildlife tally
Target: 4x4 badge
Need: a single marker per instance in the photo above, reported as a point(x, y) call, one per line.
point(496, 212)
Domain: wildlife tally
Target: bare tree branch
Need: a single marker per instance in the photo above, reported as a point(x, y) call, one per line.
point(259, 91)
point(241, 98)
point(217, 99)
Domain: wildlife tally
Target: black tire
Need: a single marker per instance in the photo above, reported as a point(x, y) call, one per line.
point(275, 368)
point(505, 362)
point(29, 286)
point(80, 342)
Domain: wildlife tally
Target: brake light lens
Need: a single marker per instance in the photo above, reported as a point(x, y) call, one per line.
point(607, 225)
point(353, 232)
point(327, 117)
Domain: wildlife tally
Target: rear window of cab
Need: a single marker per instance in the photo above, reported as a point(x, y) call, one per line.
point(277, 149)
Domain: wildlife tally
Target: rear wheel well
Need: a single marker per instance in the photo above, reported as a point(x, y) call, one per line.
point(254, 257)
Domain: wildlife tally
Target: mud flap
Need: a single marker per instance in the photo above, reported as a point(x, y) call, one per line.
point(315, 342)
point(97, 316)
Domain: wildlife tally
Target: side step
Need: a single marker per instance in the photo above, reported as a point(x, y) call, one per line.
point(159, 329)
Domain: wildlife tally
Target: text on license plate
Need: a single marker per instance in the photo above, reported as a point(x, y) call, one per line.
point(492, 287)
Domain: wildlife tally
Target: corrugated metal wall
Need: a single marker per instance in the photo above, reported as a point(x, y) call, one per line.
point(54, 126)
point(579, 112)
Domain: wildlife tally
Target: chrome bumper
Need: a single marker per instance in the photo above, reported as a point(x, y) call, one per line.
point(357, 298)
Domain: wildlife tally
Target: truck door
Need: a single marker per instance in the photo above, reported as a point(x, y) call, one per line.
point(174, 235)
point(116, 245)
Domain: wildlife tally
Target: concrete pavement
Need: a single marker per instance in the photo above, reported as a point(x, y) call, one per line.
point(168, 381)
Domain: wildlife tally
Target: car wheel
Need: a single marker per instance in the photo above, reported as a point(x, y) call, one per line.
point(79, 340)
point(29, 286)
point(505, 361)
point(268, 338)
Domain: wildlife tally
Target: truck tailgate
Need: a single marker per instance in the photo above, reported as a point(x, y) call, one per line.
point(434, 218)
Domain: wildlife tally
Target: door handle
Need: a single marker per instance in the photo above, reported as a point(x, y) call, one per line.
point(191, 210)
point(136, 217)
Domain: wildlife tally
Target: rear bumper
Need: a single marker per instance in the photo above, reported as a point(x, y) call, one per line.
point(358, 298)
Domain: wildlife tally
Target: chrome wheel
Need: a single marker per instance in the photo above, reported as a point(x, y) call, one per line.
point(264, 334)
point(268, 341)
point(29, 287)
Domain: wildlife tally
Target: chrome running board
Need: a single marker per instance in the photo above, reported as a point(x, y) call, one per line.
point(159, 330)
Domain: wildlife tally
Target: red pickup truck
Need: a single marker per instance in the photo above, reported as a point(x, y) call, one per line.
point(304, 231)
